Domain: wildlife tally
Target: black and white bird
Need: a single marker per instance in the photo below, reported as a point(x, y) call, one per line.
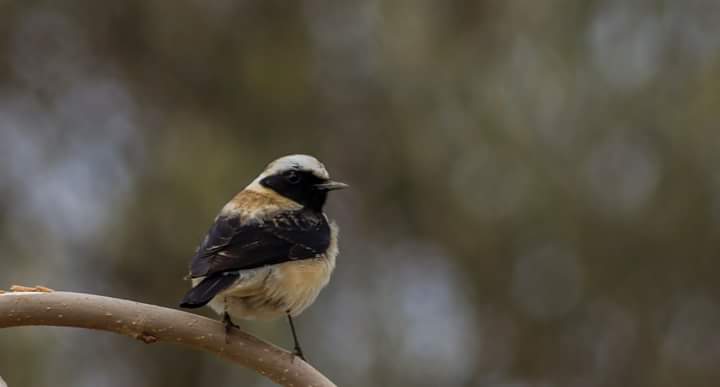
point(271, 249)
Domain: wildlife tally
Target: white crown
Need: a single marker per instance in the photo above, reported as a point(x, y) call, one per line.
point(298, 163)
point(292, 162)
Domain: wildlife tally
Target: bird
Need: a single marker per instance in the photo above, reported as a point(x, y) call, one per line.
point(271, 249)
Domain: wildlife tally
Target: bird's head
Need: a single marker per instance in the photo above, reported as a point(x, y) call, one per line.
point(300, 178)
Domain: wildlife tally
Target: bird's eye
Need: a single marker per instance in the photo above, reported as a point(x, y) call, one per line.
point(292, 177)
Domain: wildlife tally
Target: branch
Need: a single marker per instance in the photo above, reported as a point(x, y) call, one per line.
point(150, 324)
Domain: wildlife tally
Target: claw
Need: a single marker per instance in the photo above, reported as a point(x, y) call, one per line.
point(297, 352)
point(229, 325)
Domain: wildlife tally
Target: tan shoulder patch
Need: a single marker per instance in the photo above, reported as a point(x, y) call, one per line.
point(253, 203)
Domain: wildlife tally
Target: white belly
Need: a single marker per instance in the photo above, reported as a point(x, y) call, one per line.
point(272, 291)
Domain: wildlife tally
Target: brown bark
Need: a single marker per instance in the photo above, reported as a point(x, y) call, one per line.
point(150, 324)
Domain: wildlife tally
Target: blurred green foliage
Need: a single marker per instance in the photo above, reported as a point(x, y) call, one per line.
point(535, 202)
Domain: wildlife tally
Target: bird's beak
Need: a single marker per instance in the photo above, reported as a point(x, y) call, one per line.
point(331, 185)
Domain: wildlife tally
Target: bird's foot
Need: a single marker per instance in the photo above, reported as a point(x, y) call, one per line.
point(297, 352)
point(229, 325)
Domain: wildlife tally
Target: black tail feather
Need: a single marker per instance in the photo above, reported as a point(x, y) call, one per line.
point(207, 289)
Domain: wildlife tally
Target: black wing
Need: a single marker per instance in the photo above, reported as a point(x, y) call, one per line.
point(231, 246)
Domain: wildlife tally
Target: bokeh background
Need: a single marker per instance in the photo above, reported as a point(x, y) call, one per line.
point(535, 186)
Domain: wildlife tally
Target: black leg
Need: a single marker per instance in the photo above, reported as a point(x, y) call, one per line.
point(227, 321)
point(296, 350)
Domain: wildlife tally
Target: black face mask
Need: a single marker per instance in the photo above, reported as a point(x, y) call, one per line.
point(299, 186)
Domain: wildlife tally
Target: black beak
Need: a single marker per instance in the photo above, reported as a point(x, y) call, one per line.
point(331, 185)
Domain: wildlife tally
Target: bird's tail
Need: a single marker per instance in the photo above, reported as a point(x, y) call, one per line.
point(207, 289)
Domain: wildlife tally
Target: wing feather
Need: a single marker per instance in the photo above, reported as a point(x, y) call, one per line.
point(231, 245)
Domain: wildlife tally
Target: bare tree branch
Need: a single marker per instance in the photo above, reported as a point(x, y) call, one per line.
point(150, 324)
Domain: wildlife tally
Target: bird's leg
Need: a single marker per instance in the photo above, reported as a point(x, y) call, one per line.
point(227, 321)
point(297, 351)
